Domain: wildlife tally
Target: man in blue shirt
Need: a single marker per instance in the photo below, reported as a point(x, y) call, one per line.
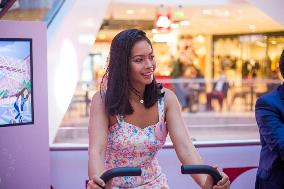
point(269, 113)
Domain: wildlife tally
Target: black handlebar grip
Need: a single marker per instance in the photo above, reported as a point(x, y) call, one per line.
point(121, 171)
point(202, 169)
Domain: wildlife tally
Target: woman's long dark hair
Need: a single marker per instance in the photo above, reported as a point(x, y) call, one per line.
point(117, 75)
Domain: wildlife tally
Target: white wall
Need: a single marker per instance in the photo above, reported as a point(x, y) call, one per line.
point(70, 37)
point(24, 149)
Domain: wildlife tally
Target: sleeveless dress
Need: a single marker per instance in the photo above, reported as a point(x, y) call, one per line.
point(129, 145)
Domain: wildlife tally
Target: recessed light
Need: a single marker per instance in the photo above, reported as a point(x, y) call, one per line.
point(155, 31)
point(184, 23)
point(207, 12)
point(199, 38)
point(252, 27)
point(165, 37)
point(130, 11)
point(226, 13)
point(273, 42)
point(163, 21)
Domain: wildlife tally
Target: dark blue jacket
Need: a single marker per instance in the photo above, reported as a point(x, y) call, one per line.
point(269, 113)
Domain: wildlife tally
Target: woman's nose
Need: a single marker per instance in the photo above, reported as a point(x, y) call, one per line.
point(149, 63)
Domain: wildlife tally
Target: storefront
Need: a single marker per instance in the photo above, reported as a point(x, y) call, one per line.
point(245, 56)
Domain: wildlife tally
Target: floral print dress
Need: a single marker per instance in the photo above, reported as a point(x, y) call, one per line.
point(130, 146)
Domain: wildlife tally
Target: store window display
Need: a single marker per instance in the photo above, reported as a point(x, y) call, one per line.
point(247, 56)
point(249, 61)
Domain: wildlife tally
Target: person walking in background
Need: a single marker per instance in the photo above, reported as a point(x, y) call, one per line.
point(269, 113)
point(131, 116)
point(219, 92)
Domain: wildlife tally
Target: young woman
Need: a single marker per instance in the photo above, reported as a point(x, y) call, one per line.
point(131, 117)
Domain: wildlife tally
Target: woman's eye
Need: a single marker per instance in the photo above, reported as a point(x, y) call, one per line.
point(138, 60)
point(152, 57)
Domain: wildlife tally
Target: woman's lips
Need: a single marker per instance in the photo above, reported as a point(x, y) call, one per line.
point(148, 75)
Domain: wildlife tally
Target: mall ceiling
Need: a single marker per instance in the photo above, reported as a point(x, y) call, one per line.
point(203, 16)
point(226, 18)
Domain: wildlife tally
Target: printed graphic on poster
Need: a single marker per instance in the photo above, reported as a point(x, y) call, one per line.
point(16, 92)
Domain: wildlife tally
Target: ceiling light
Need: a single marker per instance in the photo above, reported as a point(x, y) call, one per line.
point(206, 12)
point(252, 27)
point(130, 11)
point(163, 22)
point(155, 31)
point(165, 37)
point(184, 23)
point(273, 42)
point(200, 39)
point(226, 13)
point(221, 13)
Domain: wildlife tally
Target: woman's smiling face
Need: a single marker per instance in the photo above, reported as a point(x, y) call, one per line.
point(142, 64)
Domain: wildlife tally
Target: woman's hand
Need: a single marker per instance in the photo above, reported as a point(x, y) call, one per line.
point(224, 183)
point(96, 183)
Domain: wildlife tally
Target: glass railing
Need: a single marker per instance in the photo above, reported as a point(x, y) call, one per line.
point(53, 11)
point(231, 122)
point(196, 95)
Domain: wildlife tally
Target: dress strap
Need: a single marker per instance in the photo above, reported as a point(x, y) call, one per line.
point(161, 108)
point(119, 119)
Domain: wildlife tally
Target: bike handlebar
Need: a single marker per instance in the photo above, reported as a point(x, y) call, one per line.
point(202, 169)
point(185, 169)
point(121, 171)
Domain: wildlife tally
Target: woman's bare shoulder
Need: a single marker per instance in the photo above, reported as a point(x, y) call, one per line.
point(170, 98)
point(98, 101)
point(169, 94)
point(97, 96)
point(98, 111)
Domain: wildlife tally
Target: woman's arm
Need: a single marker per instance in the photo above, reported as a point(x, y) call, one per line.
point(184, 148)
point(98, 128)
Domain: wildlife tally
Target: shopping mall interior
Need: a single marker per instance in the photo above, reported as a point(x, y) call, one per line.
point(195, 43)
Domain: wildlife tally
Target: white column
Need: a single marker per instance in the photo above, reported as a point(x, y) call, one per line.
point(70, 38)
